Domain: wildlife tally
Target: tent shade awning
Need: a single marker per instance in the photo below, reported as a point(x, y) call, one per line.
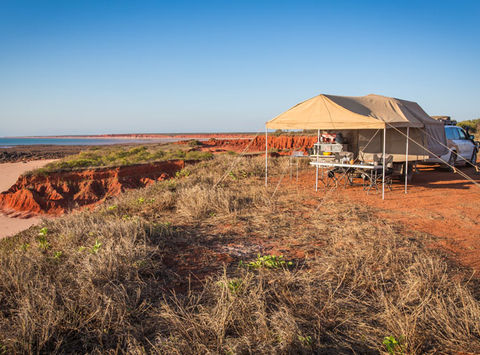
point(329, 112)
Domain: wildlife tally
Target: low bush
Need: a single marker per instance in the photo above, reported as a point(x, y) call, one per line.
point(473, 126)
point(194, 143)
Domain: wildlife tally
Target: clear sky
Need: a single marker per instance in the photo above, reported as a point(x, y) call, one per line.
point(86, 67)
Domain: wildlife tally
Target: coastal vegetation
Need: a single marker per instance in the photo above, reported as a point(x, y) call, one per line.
point(473, 126)
point(122, 156)
point(299, 132)
point(211, 261)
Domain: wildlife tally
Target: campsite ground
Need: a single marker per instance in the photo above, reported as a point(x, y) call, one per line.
point(192, 265)
point(440, 203)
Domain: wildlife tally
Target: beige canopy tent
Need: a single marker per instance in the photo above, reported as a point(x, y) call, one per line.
point(362, 117)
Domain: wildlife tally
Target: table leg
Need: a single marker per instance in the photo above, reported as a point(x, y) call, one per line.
point(290, 166)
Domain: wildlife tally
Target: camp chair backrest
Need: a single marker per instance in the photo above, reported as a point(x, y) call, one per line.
point(389, 161)
point(349, 155)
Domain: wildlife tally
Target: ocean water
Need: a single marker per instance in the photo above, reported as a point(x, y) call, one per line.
point(12, 142)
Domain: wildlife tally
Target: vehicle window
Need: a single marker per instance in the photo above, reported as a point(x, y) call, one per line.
point(461, 133)
point(451, 133)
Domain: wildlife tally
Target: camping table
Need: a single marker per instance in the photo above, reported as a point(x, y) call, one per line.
point(370, 171)
point(295, 156)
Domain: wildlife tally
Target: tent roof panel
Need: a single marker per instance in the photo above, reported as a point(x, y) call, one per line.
point(348, 112)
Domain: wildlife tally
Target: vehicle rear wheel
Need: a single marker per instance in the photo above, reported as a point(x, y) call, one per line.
point(452, 161)
point(409, 173)
point(473, 160)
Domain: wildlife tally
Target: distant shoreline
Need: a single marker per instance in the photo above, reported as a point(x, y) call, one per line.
point(112, 139)
point(138, 136)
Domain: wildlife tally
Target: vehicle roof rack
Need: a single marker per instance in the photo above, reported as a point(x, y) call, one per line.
point(447, 120)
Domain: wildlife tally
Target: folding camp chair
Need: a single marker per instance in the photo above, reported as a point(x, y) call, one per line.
point(338, 173)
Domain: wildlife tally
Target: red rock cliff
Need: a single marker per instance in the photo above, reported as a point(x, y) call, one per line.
point(258, 144)
point(56, 193)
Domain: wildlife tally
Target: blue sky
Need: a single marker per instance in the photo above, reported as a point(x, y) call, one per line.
point(86, 67)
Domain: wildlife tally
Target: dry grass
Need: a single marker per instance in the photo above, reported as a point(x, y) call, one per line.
point(123, 155)
point(121, 282)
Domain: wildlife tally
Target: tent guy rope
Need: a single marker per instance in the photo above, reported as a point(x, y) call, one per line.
point(446, 163)
point(450, 150)
point(236, 161)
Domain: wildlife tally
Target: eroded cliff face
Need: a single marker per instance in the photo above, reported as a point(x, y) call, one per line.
point(300, 143)
point(57, 193)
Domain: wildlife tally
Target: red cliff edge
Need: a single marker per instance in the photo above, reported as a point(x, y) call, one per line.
point(300, 143)
point(60, 192)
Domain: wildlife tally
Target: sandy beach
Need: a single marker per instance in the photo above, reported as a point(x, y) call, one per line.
point(9, 173)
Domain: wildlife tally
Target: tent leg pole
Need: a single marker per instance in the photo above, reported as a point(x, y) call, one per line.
point(290, 166)
point(383, 164)
point(316, 167)
point(297, 169)
point(406, 161)
point(266, 156)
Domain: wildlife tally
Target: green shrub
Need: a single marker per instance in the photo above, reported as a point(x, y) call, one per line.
point(473, 126)
point(194, 155)
point(269, 262)
point(194, 143)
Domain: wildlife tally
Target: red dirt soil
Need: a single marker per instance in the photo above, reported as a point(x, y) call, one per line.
point(438, 202)
point(57, 193)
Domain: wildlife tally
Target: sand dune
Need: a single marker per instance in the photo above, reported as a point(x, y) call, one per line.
point(9, 173)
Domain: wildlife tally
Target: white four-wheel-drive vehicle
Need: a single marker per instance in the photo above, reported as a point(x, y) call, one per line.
point(462, 146)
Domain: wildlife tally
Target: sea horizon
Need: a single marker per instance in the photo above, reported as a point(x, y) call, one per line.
point(9, 142)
